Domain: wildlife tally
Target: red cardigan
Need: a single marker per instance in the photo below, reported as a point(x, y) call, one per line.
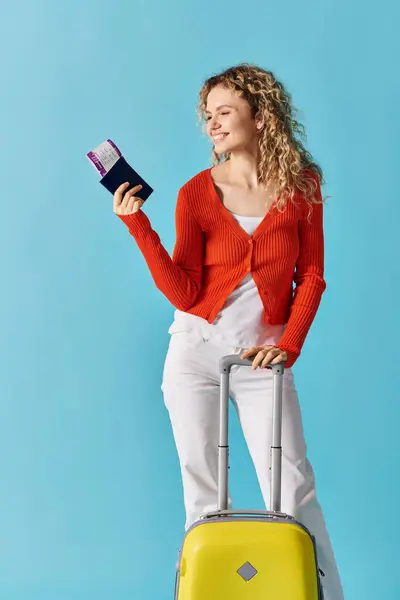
point(213, 253)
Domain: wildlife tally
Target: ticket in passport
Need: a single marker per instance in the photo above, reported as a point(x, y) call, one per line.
point(114, 170)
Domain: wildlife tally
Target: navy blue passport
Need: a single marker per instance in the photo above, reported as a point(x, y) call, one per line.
point(122, 172)
point(115, 170)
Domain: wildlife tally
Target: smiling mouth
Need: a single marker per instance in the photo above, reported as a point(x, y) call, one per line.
point(220, 137)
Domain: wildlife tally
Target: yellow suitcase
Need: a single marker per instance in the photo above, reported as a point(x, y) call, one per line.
point(245, 554)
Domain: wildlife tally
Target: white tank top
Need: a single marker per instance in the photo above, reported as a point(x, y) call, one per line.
point(240, 321)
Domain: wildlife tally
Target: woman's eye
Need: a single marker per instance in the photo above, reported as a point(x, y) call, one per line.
point(223, 113)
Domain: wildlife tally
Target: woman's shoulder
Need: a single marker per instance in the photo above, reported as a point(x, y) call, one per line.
point(197, 182)
point(195, 195)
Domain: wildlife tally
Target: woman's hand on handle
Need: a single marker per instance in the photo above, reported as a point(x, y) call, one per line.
point(127, 204)
point(264, 356)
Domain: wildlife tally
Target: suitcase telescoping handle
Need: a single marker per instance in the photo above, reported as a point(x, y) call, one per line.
point(225, 365)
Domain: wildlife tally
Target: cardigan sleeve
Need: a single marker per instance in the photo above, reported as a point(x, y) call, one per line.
point(308, 278)
point(179, 278)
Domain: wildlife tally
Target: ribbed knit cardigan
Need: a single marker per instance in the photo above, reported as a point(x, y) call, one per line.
point(213, 253)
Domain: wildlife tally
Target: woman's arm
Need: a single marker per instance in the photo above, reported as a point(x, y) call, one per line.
point(308, 279)
point(178, 278)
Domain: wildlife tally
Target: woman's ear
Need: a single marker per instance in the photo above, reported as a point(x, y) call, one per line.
point(259, 121)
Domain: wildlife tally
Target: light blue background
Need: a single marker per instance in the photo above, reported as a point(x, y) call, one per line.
point(90, 492)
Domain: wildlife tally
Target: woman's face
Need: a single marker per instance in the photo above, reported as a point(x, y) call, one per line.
point(229, 122)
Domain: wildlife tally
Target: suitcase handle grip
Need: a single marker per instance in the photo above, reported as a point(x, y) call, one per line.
point(247, 513)
point(230, 360)
point(225, 365)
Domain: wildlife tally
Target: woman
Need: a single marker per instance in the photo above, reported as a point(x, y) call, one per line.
point(246, 229)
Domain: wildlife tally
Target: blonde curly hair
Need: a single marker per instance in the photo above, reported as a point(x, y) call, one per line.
point(283, 157)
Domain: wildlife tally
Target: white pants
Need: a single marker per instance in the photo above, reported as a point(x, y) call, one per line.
point(191, 383)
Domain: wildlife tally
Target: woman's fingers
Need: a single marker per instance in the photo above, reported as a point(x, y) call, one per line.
point(270, 356)
point(128, 196)
point(264, 356)
point(280, 358)
point(137, 203)
point(125, 204)
point(118, 195)
point(249, 352)
point(258, 359)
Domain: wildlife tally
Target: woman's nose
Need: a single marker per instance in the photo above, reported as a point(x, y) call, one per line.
point(214, 127)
